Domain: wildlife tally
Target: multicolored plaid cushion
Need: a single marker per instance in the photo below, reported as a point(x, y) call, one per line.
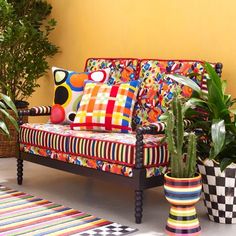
point(69, 86)
point(105, 107)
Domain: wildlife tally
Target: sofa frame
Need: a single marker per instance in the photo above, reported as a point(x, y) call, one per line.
point(139, 182)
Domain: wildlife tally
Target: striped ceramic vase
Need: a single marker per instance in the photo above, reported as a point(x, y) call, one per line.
point(182, 194)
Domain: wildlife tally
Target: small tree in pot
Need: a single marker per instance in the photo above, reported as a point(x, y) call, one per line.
point(182, 184)
point(24, 46)
point(24, 49)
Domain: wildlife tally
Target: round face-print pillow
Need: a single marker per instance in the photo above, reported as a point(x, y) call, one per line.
point(69, 86)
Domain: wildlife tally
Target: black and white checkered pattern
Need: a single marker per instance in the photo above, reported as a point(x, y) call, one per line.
point(219, 190)
point(113, 229)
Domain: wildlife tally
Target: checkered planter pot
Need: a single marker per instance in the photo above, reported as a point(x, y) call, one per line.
point(219, 190)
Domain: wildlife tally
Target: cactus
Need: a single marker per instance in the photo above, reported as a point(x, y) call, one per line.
point(175, 139)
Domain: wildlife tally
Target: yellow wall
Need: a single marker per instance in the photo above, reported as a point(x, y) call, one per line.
point(189, 29)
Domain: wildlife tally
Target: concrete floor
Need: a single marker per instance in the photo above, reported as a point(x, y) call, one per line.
point(115, 203)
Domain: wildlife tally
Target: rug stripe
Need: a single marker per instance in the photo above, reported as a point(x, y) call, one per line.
point(80, 228)
point(13, 199)
point(70, 225)
point(31, 215)
point(19, 201)
point(37, 219)
point(30, 204)
point(46, 226)
point(40, 225)
point(27, 211)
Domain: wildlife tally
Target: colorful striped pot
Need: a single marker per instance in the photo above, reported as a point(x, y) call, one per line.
point(182, 194)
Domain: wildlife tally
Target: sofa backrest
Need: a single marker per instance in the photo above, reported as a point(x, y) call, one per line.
point(122, 69)
point(156, 89)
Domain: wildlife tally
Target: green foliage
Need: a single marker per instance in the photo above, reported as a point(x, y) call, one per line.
point(176, 140)
point(6, 104)
point(217, 119)
point(24, 45)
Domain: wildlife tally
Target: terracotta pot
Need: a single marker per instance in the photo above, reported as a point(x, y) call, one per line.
point(219, 190)
point(182, 194)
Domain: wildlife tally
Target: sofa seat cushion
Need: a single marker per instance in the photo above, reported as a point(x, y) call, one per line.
point(118, 148)
point(90, 163)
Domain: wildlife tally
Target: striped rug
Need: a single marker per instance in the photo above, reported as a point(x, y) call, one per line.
point(24, 214)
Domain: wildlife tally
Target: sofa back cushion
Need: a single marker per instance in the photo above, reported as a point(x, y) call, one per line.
point(156, 89)
point(122, 69)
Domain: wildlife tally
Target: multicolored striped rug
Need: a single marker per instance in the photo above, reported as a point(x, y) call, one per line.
point(23, 214)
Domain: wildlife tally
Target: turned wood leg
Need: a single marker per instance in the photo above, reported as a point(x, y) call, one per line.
point(19, 171)
point(138, 206)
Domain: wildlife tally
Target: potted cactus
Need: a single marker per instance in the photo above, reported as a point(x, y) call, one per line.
point(182, 184)
point(216, 144)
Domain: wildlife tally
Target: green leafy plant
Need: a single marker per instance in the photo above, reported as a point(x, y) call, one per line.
point(6, 105)
point(214, 117)
point(24, 45)
point(181, 145)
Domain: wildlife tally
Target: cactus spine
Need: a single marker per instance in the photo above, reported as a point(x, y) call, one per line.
point(180, 168)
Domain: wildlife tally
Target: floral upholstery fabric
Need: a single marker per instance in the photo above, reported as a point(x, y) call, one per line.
point(89, 162)
point(156, 89)
point(122, 70)
point(118, 148)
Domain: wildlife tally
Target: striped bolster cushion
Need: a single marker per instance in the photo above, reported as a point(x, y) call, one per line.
point(40, 110)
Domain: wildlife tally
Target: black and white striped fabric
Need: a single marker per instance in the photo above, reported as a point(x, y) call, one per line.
point(219, 190)
point(40, 110)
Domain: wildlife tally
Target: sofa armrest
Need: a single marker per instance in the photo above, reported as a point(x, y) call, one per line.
point(40, 111)
point(159, 127)
point(36, 111)
point(154, 128)
point(140, 131)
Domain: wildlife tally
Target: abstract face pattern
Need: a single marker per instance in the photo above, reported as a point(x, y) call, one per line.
point(69, 86)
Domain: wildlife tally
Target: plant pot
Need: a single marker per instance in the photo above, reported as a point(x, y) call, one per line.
point(8, 147)
point(182, 194)
point(219, 190)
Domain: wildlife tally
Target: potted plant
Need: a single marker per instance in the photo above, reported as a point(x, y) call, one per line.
point(182, 184)
point(215, 120)
point(24, 49)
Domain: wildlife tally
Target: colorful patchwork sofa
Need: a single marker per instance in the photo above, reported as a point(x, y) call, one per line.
point(136, 158)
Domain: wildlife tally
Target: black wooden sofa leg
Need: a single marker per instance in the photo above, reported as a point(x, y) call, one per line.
point(19, 171)
point(138, 206)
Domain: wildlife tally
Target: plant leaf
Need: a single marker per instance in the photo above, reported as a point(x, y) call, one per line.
point(186, 81)
point(225, 162)
point(4, 128)
point(11, 119)
point(218, 136)
point(2, 105)
point(9, 102)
